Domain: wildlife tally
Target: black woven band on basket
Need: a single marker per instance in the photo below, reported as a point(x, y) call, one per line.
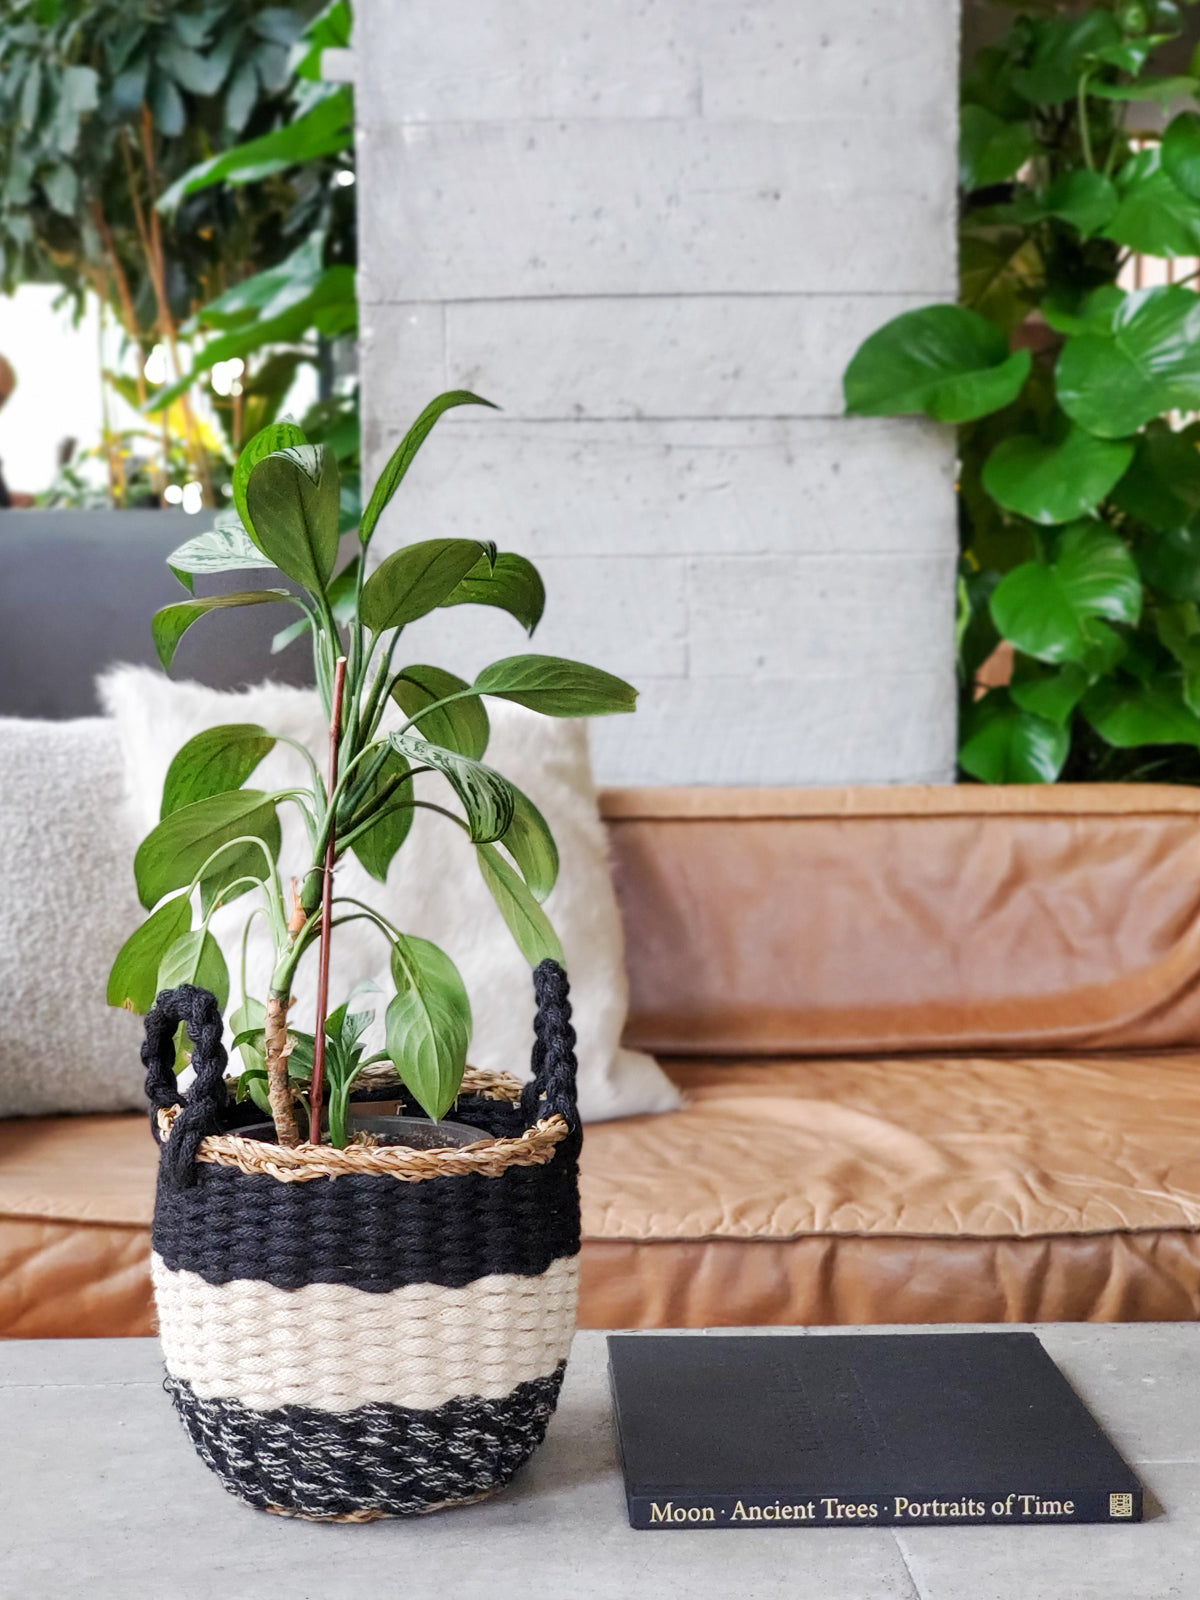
point(362, 1229)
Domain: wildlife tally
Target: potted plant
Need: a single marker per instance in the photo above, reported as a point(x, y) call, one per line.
point(355, 1328)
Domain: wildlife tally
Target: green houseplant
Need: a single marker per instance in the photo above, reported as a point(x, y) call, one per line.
point(219, 838)
point(354, 1329)
point(1074, 397)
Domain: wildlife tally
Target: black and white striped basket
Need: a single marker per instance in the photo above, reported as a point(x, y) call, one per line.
point(368, 1332)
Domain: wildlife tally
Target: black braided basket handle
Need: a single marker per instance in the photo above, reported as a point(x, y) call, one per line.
point(552, 1087)
point(208, 1097)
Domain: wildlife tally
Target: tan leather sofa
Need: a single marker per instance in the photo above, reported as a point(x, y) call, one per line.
point(941, 1049)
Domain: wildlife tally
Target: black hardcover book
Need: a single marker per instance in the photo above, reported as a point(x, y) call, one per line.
point(847, 1430)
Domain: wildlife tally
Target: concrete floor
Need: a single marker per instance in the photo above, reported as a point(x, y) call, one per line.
point(101, 1497)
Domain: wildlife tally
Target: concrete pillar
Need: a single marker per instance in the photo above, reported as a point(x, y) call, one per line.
point(654, 231)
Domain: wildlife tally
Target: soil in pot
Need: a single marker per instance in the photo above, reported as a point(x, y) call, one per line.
point(417, 1133)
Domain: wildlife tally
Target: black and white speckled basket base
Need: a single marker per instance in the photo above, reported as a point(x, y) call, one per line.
point(374, 1461)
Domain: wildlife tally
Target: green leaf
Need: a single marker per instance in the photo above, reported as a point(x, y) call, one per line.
point(79, 88)
point(392, 475)
point(1154, 216)
point(1001, 743)
point(1051, 610)
point(527, 922)
point(167, 104)
point(278, 23)
point(1170, 562)
point(292, 500)
point(1094, 311)
point(1128, 714)
point(1181, 153)
point(241, 96)
point(1161, 90)
point(976, 635)
point(31, 92)
point(248, 1020)
point(946, 361)
point(215, 761)
point(1147, 366)
point(1178, 628)
point(487, 798)
point(1049, 692)
point(1051, 483)
point(1062, 46)
point(342, 596)
point(324, 130)
point(280, 436)
point(511, 583)
point(990, 149)
point(226, 547)
point(60, 184)
point(461, 726)
point(330, 29)
point(556, 687)
point(199, 74)
point(171, 623)
point(428, 1024)
point(1087, 200)
point(1162, 487)
point(290, 634)
point(378, 845)
point(330, 306)
point(133, 981)
point(530, 843)
point(1000, 273)
point(416, 580)
point(268, 293)
point(196, 958)
point(1131, 55)
point(172, 853)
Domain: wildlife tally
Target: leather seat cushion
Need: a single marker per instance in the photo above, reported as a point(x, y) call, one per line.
point(909, 1189)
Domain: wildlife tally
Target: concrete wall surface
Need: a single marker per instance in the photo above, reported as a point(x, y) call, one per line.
point(655, 231)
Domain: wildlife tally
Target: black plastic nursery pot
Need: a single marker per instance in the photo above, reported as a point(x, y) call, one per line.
point(375, 1331)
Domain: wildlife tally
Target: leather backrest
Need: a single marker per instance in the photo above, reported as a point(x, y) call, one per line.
point(835, 921)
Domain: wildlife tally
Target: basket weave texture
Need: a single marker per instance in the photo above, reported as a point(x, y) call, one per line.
point(376, 1331)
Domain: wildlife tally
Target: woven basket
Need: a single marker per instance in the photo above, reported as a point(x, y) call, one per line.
point(368, 1332)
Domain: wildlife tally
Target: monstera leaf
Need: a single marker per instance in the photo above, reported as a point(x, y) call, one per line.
point(1148, 363)
point(1053, 610)
point(950, 363)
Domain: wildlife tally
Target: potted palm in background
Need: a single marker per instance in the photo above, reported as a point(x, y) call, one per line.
point(355, 1329)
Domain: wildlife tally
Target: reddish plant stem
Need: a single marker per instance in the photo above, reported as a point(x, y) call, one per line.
point(318, 1074)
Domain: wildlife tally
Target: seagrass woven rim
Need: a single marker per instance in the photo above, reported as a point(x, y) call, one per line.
point(304, 1162)
point(476, 1080)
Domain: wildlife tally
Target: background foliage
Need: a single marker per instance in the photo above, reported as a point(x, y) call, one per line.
point(182, 160)
point(1075, 398)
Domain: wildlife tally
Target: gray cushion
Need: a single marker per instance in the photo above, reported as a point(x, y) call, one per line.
point(67, 903)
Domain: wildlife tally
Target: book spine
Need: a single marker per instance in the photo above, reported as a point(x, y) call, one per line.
point(882, 1511)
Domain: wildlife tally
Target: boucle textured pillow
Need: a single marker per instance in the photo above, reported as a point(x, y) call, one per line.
point(67, 904)
point(433, 889)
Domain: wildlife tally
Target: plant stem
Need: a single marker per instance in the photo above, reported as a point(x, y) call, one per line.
point(318, 1072)
point(279, 1090)
point(156, 261)
point(1085, 132)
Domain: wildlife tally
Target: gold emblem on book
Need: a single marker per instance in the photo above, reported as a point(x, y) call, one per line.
point(1120, 1505)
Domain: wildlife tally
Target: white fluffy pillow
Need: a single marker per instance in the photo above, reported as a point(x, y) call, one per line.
point(434, 889)
point(67, 904)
